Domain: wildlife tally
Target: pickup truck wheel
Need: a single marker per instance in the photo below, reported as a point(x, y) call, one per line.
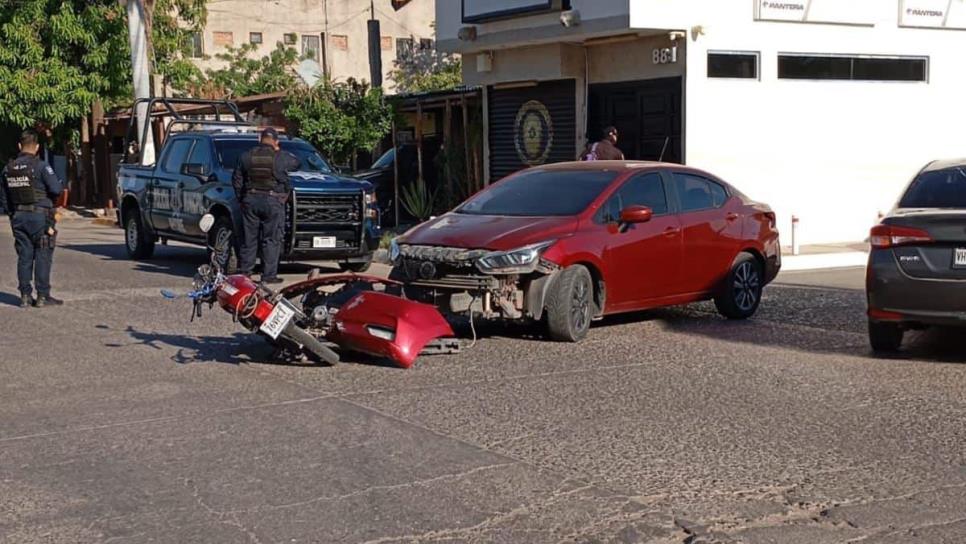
point(357, 268)
point(138, 243)
point(222, 236)
point(570, 305)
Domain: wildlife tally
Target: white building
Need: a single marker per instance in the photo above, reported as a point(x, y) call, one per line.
point(332, 32)
point(822, 108)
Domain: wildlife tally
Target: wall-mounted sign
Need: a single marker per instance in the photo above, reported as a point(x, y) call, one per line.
point(533, 133)
point(480, 11)
point(855, 12)
point(933, 13)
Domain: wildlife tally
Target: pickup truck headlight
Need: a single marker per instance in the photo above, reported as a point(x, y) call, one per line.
point(523, 260)
point(370, 198)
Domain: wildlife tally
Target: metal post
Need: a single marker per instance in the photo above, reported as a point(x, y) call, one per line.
point(141, 65)
point(395, 173)
point(795, 242)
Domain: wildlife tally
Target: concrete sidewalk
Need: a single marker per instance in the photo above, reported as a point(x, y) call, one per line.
point(825, 256)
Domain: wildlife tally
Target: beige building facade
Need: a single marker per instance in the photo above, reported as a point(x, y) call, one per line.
point(332, 32)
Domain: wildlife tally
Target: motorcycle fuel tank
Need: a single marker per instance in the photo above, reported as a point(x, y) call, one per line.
point(234, 295)
point(388, 326)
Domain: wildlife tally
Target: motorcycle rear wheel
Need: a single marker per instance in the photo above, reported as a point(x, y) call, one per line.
point(310, 345)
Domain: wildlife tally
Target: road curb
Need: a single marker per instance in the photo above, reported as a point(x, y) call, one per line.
point(821, 261)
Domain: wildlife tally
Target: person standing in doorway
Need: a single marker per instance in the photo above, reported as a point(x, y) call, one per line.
point(606, 149)
point(262, 185)
point(29, 189)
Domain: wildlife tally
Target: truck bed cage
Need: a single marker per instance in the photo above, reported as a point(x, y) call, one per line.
point(169, 107)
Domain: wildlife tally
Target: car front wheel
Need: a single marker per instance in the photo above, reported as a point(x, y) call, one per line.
point(357, 268)
point(885, 337)
point(138, 243)
point(570, 305)
point(741, 294)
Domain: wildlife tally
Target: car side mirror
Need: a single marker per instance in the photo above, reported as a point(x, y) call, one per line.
point(636, 214)
point(193, 169)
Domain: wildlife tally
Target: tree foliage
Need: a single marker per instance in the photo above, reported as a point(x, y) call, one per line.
point(246, 76)
point(426, 69)
point(57, 58)
point(339, 118)
point(172, 24)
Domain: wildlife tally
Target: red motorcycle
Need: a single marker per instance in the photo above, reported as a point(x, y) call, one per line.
point(353, 312)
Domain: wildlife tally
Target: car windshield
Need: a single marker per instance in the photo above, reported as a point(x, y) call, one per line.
point(385, 160)
point(229, 151)
point(937, 189)
point(541, 193)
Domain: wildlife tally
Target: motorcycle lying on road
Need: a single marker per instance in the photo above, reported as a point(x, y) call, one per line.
point(353, 312)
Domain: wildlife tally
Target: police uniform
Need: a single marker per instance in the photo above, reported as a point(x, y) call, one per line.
point(262, 185)
point(29, 189)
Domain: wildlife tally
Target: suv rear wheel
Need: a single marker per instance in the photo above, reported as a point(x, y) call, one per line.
point(885, 337)
point(570, 305)
point(139, 244)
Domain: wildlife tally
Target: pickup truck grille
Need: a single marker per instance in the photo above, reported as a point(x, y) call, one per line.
point(328, 209)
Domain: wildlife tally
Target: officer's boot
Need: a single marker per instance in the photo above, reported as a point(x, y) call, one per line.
point(26, 301)
point(47, 300)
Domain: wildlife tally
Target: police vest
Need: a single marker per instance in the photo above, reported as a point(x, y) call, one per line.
point(20, 183)
point(261, 173)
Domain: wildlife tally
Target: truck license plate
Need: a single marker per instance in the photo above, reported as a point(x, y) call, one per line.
point(323, 242)
point(280, 317)
point(960, 260)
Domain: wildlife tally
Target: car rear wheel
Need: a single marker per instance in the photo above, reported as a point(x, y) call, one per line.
point(885, 337)
point(741, 294)
point(221, 237)
point(357, 268)
point(138, 243)
point(570, 305)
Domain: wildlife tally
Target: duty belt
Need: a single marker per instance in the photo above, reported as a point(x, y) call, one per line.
point(31, 208)
point(263, 192)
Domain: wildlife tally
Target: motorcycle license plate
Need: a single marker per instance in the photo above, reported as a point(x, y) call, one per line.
point(323, 242)
point(280, 317)
point(960, 260)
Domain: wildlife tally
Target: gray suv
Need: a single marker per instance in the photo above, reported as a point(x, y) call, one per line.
point(917, 269)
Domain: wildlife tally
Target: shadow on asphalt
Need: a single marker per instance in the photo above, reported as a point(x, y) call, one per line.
point(235, 349)
point(10, 299)
point(179, 260)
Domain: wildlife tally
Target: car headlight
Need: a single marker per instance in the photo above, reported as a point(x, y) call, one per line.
point(518, 261)
point(370, 198)
point(393, 252)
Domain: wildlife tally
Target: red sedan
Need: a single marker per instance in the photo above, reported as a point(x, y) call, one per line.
point(571, 242)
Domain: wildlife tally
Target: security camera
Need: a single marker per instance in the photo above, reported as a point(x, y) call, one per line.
point(677, 35)
point(570, 18)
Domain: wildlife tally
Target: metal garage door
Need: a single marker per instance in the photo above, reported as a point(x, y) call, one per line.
point(530, 126)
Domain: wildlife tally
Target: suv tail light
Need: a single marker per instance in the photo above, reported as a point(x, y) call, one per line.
point(886, 236)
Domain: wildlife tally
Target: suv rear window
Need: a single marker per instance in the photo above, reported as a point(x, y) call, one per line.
point(539, 193)
point(937, 189)
point(230, 150)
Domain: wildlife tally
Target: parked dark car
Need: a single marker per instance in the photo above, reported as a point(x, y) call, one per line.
point(613, 237)
point(917, 268)
point(382, 177)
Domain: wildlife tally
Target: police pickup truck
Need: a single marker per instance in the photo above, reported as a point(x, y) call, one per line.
point(328, 216)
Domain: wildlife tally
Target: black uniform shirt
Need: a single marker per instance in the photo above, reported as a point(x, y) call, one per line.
point(285, 162)
point(45, 181)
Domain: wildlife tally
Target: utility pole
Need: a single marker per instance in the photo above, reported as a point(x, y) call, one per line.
point(141, 65)
point(375, 48)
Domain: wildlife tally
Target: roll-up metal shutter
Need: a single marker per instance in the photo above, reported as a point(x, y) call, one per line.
point(530, 126)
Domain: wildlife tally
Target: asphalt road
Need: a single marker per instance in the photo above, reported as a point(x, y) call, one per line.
point(120, 421)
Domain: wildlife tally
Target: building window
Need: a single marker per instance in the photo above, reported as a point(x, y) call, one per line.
point(310, 47)
point(340, 42)
point(289, 39)
point(223, 38)
point(197, 45)
point(853, 68)
point(426, 43)
point(733, 65)
point(255, 38)
point(404, 47)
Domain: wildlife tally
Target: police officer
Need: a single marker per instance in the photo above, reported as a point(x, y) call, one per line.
point(262, 185)
point(29, 190)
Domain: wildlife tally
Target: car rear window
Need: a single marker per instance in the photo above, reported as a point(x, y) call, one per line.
point(540, 193)
point(937, 189)
point(230, 150)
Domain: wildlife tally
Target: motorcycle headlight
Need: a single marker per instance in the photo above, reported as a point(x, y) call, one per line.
point(393, 252)
point(518, 261)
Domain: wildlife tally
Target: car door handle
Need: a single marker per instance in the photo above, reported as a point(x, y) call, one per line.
point(731, 216)
point(672, 231)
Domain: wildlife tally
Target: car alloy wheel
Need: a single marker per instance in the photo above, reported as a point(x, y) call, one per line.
point(570, 304)
point(747, 286)
point(133, 235)
point(580, 306)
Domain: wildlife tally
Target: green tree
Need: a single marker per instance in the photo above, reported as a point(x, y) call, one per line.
point(172, 24)
point(57, 58)
point(246, 76)
point(426, 69)
point(339, 118)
